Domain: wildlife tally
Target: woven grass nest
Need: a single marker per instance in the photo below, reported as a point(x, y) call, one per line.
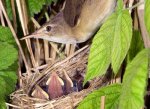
point(22, 98)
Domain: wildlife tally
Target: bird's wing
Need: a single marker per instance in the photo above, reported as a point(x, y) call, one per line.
point(72, 11)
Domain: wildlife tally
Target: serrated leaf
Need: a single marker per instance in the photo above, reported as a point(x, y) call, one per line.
point(9, 74)
point(92, 101)
point(122, 39)
point(8, 55)
point(35, 6)
point(147, 15)
point(8, 81)
point(6, 35)
point(13, 67)
point(100, 52)
point(136, 45)
point(134, 82)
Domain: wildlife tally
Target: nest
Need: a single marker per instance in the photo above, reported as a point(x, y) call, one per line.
point(22, 99)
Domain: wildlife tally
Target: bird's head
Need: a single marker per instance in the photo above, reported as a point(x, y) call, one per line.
point(57, 30)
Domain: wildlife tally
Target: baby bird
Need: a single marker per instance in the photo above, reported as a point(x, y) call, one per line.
point(55, 84)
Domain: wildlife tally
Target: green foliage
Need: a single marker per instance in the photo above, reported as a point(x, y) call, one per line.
point(136, 45)
point(35, 6)
point(129, 95)
point(8, 82)
point(110, 45)
point(111, 93)
point(2, 104)
point(6, 35)
point(8, 64)
point(135, 82)
point(147, 15)
point(119, 6)
point(122, 39)
point(8, 55)
point(99, 58)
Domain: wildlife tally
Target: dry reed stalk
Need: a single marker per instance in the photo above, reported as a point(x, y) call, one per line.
point(53, 51)
point(2, 18)
point(67, 49)
point(72, 49)
point(102, 102)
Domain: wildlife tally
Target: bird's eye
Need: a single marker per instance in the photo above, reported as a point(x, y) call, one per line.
point(48, 28)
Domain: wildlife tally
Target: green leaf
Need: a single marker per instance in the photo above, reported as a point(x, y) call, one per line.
point(100, 52)
point(111, 93)
point(35, 6)
point(134, 82)
point(6, 35)
point(8, 55)
point(8, 81)
point(2, 85)
point(122, 38)
point(118, 26)
point(119, 5)
point(147, 15)
point(136, 46)
point(13, 67)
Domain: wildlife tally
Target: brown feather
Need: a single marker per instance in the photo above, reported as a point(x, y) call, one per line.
point(73, 9)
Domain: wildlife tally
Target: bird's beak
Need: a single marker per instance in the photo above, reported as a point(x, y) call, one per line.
point(35, 35)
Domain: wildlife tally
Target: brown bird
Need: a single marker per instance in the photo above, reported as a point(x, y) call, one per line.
point(77, 22)
point(55, 84)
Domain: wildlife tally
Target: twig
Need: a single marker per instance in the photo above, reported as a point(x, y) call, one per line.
point(1, 17)
point(136, 5)
point(102, 102)
point(14, 106)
